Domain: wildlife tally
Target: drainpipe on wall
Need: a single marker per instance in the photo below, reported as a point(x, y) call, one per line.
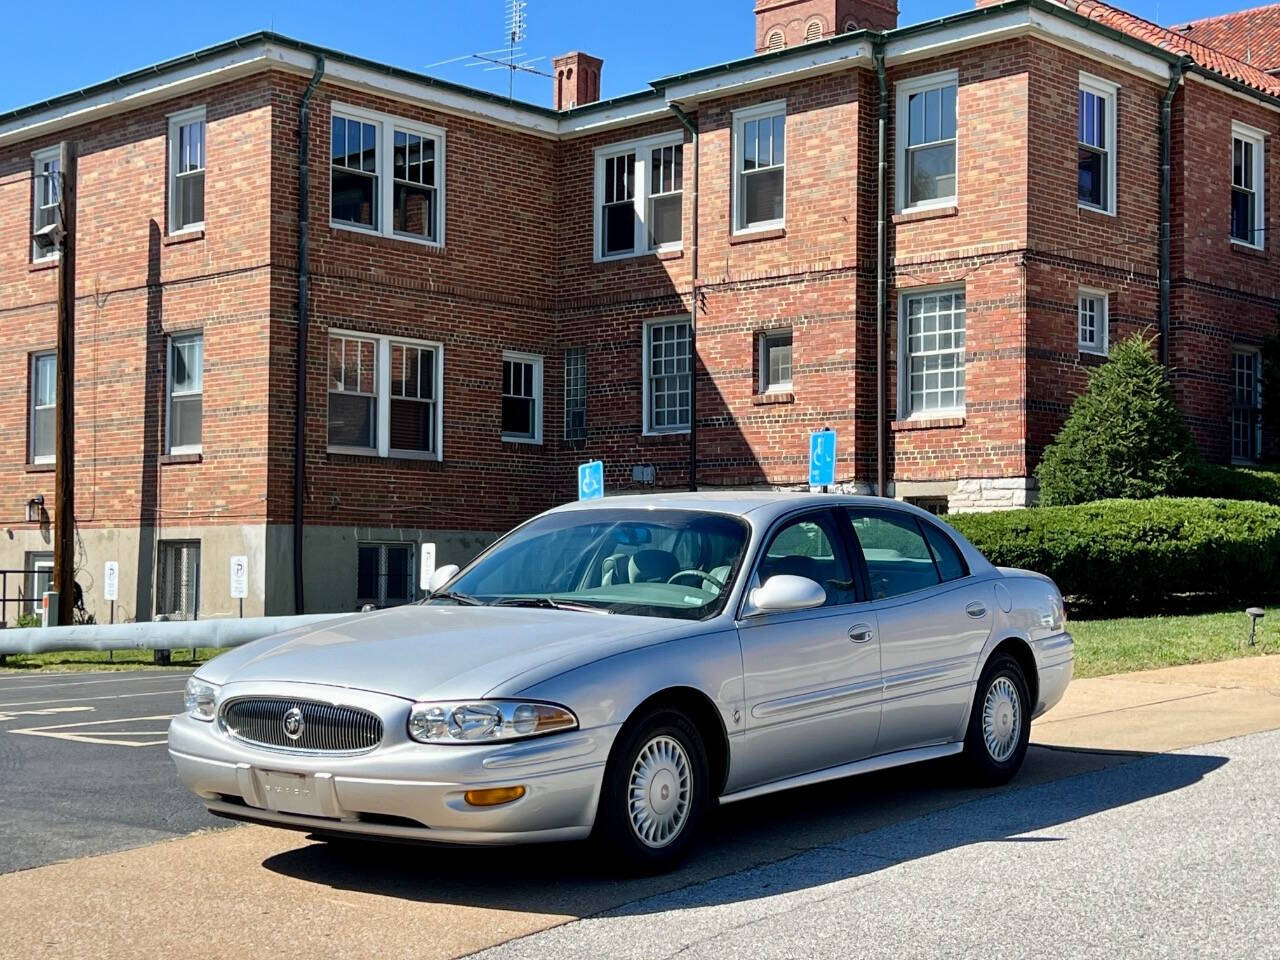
point(1166, 150)
point(692, 127)
point(882, 252)
point(304, 283)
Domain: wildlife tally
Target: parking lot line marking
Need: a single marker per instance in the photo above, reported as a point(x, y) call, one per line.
point(67, 731)
point(85, 683)
point(46, 712)
point(118, 696)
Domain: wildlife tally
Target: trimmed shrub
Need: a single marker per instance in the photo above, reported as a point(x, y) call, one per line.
point(1138, 552)
point(1238, 483)
point(1124, 436)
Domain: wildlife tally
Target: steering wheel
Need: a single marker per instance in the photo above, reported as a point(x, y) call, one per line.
point(718, 583)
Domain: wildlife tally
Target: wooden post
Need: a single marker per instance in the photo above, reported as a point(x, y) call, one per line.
point(64, 525)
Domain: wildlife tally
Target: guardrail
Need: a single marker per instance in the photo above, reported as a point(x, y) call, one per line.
point(153, 635)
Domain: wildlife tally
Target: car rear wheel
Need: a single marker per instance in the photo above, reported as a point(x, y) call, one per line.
point(999, 723)
point(654, 794)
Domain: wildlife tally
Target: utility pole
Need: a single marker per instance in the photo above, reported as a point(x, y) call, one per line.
point(64, 523)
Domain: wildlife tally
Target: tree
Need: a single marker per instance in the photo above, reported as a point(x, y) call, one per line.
point(1271, 396)
point(1124, 437)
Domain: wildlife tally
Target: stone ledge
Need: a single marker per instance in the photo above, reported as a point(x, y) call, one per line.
point(940, 423)
point(768, 399)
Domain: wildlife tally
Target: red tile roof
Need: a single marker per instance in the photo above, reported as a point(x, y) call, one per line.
point(1252, 36)
point(1208, 57)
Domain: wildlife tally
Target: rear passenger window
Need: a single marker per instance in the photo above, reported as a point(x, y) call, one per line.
point(898, 558)
point(806, 547)
point(950, 564)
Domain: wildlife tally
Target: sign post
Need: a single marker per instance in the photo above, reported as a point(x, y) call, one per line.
point(591, 480)
point(822, 459)
point(240, 580)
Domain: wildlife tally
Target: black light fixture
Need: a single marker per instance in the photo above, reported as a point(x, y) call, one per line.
point(35, 509)
point(1254, 614)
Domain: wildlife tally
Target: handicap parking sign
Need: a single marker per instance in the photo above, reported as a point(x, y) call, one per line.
point(591, 480)
point(822, 458)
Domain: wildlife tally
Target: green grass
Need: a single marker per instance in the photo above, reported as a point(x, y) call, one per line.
point(92, 660)
point(1144, 643)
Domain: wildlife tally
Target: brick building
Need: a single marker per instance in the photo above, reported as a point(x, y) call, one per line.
point(497, 291)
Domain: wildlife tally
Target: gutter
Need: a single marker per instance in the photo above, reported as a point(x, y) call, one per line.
point(882, 252)
point(1166, 150)
point(304, 315)
point(692, 126)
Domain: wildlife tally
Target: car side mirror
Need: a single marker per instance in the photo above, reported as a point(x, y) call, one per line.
point(442, 576)
point(785, 593)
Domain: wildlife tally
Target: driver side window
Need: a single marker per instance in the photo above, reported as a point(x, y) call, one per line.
point(808, 546)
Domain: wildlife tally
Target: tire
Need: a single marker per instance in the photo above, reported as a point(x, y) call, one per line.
point(1001, 702)
point(659, 751)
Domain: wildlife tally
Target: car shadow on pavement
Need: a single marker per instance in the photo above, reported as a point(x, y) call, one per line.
point(870, 823)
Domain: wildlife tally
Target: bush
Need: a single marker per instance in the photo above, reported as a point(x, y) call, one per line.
point(1115, 552)
point(1238, 483)
point(1124, 437)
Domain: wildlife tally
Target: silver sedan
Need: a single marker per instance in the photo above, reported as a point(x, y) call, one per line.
point(617, 668)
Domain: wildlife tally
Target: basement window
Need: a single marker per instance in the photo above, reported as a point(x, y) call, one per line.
point(760, 153)
point(384, 573)
point(1247, 180)
point(639, 194)
point(1097, 138)
point(186, 170)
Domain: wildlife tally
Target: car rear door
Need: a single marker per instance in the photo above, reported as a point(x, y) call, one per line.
point(934, 619)
point(811, 677)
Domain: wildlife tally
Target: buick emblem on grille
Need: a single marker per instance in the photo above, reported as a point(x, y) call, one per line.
point(293, 723)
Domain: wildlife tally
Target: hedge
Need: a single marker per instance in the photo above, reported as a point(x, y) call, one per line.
point(1138, 552)
point(1239, 483)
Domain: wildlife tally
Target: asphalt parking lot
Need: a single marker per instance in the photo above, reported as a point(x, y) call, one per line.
point(83, 765)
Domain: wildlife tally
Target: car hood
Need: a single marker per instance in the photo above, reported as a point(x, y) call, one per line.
point(437, 652)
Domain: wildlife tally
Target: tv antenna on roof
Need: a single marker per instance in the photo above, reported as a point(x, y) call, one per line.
point(511, 57)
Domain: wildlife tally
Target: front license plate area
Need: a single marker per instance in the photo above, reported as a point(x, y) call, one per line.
point(290, 793)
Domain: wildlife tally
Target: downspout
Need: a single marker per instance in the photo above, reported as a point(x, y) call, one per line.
point(692, 127)
point(304, 284)
point(1166, 150)
point(882, 251)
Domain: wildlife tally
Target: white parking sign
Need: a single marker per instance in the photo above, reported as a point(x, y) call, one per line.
point(111, 581)
point(239, 578)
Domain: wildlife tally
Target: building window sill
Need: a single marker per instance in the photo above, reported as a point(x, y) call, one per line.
point(937, 423)
point(429, 246)
point(669, 254)
point(660, 435)
point(40, 467)
point(770, 397)
point(1095, 211)
point(926, 213)
point(184, 236)
point(756, 236)
point(169, 458)
point(1245, 250)
point(48, 263)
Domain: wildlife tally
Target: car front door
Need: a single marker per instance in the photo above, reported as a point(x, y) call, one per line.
point(811, 677)
point(934, 619)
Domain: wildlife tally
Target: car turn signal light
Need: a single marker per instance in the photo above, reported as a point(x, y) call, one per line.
point(493, 797)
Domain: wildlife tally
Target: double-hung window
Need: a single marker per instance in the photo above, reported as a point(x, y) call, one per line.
point(386, 175)
point(1247, 180)
point(926, 139)
point(931, 369)
point(1091, 321)
point(1246, 404)
point(45, 197)
point(43, 403)
point(521, 397)
point(186, 392)
point(639, 193)
point(186, 170)
point(575, 393)
point(1096, 133)
point(775, 361)
point(760, 165)
point(667, 376)
point(385, 396)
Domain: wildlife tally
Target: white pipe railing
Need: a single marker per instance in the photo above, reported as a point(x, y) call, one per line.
point(153, 635)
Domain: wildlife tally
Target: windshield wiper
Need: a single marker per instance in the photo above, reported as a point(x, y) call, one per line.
point(550, 603)
point(465, 599)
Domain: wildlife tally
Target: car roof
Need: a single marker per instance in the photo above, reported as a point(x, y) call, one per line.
point(759, 504)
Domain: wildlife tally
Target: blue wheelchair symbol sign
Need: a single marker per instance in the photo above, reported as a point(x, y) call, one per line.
point(822, 458)
point(591, 480)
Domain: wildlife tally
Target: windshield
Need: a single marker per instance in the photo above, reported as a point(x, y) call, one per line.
point(652, 563)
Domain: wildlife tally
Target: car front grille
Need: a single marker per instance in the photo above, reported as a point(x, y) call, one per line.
point(325, 728)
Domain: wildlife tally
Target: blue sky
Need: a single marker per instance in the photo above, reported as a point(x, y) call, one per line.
point(638, 41)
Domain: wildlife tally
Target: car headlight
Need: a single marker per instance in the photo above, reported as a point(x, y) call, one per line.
point(486, 721)
point(200, 699)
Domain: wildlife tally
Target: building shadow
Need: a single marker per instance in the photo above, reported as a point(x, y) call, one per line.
point(869, 823)
point(152, 429)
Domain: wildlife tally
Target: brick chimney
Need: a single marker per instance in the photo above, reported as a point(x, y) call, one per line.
point(789, 23)
point(577, 79)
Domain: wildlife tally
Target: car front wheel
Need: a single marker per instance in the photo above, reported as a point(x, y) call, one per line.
point(999, 723)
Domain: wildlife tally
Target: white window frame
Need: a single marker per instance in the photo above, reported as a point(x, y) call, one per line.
point(904, 356)
point(1109, 92)
point(32, 358)
point(640, 151)
point(382, 395)
point(1258, 138)
point(762, 352)
point(386, 126)
point(1255, 441)
point(176, 122)
point(741, 118)
point(903, 92)
point(648, 429)
point(37, 566)
point(1102, 321)
point(515, 356)
point(174, 339)
point(38, 159)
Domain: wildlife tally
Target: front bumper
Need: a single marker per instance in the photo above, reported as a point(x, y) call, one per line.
point(402, 789)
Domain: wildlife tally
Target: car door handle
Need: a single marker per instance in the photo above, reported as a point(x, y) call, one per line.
point(861, 633)
point(976, 610)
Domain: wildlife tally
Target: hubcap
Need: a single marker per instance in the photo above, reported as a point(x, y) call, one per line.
point(659, 792)
point(1001, 719)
